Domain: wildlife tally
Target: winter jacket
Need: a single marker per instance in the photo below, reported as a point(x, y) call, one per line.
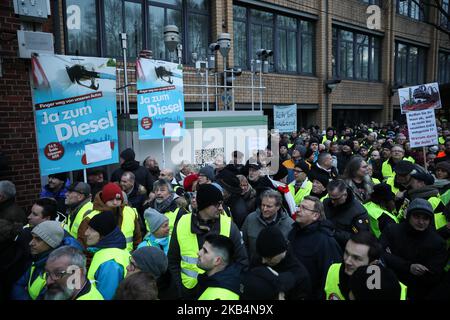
point(142, 175)
point(348, 218)
point(10, 211)
point(293, 277)
point(99, 205)
point(238, 209)
point(361, 195)
point(174, 257)
point(20, 288)
point(404, 246)
point(14, 261)
point(151, 241)
point(109, 274)
point(229, 279)
point(315, 247)
point(250, 199)
point(59, 196)
point(136, 199)
point(254, 223)
point(329, 175)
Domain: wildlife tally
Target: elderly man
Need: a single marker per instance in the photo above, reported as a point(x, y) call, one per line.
point(168, 175)
point(189, 236)
point(78, 202)
point(397, 155)
point(9, 210)
point(136, 193)
point(312, 241)
point(270, 213)
point(67, 276)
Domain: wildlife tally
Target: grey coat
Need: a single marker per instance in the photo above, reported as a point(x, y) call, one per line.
point(253, 225)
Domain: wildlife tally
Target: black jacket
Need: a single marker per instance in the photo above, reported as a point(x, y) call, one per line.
point(10, 211)
point(331, 175)
point(238, 209)
point(229, 278)
point(174, 256)
point(408, 246)
point(293, 277)
point(348, 218)
point(342, 160)
point(315, 247)
point(142, 174)
point(14, 261)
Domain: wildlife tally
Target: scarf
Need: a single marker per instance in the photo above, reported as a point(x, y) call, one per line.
point(163, 206)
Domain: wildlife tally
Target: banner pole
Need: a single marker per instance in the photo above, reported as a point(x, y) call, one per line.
point(85, 175)
point(425, 159)
point(163, 154)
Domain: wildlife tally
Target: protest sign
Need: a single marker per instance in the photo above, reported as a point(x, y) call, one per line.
point(422, 128)
point(421, 97)
point(285, 118)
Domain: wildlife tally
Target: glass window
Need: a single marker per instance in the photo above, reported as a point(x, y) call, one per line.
point(198, 38)
point(133, 28)
point(346, 53)
point(307, 46)
point(198, 4)
point(444, 67)
point(287, 36)
point(362, 57)
point(410, 64)
point(81, 27)
point(414, 9)
point(444, 19)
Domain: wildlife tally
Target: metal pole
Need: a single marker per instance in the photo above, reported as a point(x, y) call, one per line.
point(207, 89)
point(425, 159)
point(125, 76)
point(232, 89)
point(253, 90)
point(217, 89)
point(163, 153)
point(225, 103)
point(203, 91)
point(84, 175)
point(260, 88)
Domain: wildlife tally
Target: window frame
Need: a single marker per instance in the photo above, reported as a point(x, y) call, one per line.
point(421, 53)
point(423, 12)
point(446, 75)
point(336, 69)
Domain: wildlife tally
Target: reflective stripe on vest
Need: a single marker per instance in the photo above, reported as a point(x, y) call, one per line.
point(93, 294)
point(439, 218)
point(121, 256)
point(301, 193)
point(390, 181)
point(35, 288)
point(403, 292)
point(375, 181)
point(214, 293)
point(129, 216)
point(386, 170)
point(375, 212)
point(73, 230)
point(172, 216)
point(332, 291)
point(189, 248)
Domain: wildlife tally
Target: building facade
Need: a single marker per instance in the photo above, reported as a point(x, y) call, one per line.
point(325, 58)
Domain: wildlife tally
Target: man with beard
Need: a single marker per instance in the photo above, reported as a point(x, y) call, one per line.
point(127, 219)
point(47, 236)
point(189, 236)
point(345, 212)
point(66, 276)
point(127, 163)
point(165, 202)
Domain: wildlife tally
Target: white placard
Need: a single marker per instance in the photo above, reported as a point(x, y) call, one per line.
point(285, 118)
point(172, 130)
point(98, 151)
point(421, 97)
point(422, 128)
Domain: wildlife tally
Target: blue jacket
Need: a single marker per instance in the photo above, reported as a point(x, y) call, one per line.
point(46, 193)
point(110, 273)
point(151, 241)
point(20, 288)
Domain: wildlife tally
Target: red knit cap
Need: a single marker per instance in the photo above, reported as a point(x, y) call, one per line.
point(188, 181)
point(111, 191)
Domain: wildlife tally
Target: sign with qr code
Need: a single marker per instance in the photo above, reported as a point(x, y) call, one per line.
point(205, 156)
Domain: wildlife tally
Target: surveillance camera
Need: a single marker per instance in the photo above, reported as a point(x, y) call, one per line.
point(261, 52)
point(269, 53)
point(214, 46)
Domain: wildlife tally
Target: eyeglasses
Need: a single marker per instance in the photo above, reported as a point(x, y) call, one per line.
point(298, 171)
point(339, 197)
point(303, 208)
point(55, 275)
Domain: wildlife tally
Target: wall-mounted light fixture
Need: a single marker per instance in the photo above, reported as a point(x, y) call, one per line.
point(331, 84)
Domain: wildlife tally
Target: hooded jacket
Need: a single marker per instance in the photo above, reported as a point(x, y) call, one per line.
point(404, 246)
point(118, 214)
point(315, 247)
point(254, 223)
point(59, 196)
point(142, 175)
point(110, 273)
point(228, 278)
point(347, 218)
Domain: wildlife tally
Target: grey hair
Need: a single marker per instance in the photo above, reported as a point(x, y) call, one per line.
point(77, 258)
point(130, 175)
point(273, 194)
point(8, 189)
point(318, 206)
point(162, 183)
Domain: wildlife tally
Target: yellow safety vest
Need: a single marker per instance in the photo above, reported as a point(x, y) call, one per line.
point(325, 139)
point(375, 212)
point(375, 181)
point(390, 181)
point(93, 294)
point(73, 230)
point(121, 256)
point(441, 140)
point(333, 292)
point(128, 222)
point(301, 193)
point(189, 248)
point(172, 216)
point(214, 293)
point(35, 288)
point(439, 219)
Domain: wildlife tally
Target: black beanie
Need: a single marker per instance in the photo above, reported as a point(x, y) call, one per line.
point(60, 176)
point(270, 242)
point(389, 288)
point(229, 181)
point(104, 223)
point(128, 154)
point(207, 195)
point(382, 192)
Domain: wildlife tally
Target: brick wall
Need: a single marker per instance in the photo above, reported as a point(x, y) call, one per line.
point(17, 132)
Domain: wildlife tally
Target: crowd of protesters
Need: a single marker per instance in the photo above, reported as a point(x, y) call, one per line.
point(340, 207)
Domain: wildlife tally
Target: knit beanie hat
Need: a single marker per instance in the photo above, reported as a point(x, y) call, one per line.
point(60, 176)
point(302, 165)
point(270, 242)
point(229, 181)
point(382, 192)
point(111, 191)
point(151, 259)
point(419, 173)
point(207, 195)
point(404, 167)
point(128, 154)
point(50, 232)
point(444, 166)
point(208, 172)
point(322, 178)
point(419, 205)
point(104, 223)
point(188, 182)
point(389, 288)
point(154, 219)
